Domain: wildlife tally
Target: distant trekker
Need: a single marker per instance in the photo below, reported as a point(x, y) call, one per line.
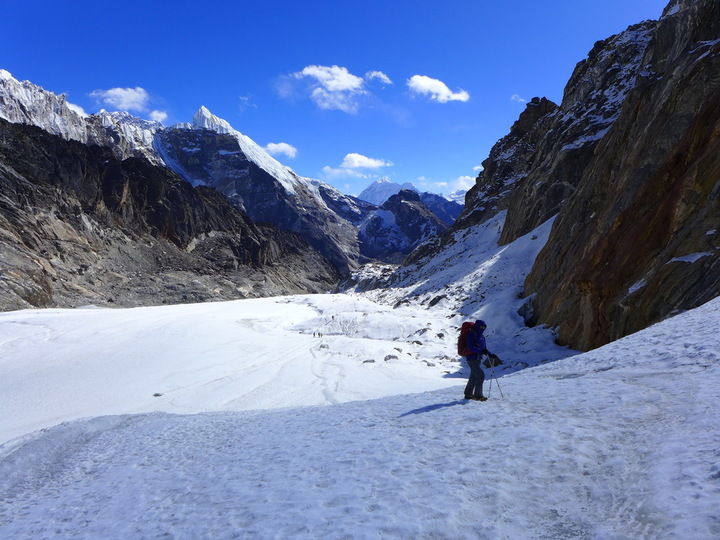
point(474, 349)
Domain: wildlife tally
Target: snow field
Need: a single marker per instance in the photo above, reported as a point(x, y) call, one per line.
point(621, 442)
point(338, 416)
point(57, 365)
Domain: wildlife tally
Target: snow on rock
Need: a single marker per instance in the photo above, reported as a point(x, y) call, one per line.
point(26, 103)
point(473, 277)
point(204, 119)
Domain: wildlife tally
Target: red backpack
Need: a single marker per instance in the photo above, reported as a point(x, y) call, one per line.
point(462, 339)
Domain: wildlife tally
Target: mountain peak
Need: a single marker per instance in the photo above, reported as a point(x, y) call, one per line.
point(381, 190)
point(204, 119)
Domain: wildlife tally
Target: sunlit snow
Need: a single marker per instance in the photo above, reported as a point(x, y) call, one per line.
point(341, 416)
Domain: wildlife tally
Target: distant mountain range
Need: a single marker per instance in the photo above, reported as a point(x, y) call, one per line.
point(207, 153)
point(110, 208)
point(446, 209)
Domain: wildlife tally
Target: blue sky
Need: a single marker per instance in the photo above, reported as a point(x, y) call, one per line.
point(344, 91)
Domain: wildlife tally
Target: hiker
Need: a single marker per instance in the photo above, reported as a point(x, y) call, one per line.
point(476, 347)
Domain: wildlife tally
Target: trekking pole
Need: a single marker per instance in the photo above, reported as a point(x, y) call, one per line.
point(500, 390)
point(492, 376)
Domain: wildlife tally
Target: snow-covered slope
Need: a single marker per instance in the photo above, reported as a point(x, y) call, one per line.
point(346, 410)
point(225, 356)
point(620, 442)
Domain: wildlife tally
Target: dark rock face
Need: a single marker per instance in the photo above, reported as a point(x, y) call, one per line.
point(78, 226)
point(568, 136)
point(630, 164)
point(639, 239)
point(532, 171)
point(399, 225)
point(447, 211)
point(207, 157)
point(510, 162)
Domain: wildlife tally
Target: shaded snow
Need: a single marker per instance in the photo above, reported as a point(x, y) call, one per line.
point(691, 258)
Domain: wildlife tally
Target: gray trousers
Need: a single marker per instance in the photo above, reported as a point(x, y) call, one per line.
point(475, 382)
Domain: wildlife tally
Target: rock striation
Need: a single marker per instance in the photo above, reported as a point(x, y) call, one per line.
point(79, 226)
point(639, 239)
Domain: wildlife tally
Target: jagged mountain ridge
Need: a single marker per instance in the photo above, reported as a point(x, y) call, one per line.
point(649, 201)
point(402, 221)
point(380, 191)
point(210, 152)
point(533, 169)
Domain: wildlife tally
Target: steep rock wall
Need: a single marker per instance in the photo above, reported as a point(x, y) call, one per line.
point(640, 239)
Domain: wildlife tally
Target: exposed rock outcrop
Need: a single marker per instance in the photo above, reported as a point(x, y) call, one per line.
point(639, 239)
point(78, 226)
point(534, 169)
point(630, 164)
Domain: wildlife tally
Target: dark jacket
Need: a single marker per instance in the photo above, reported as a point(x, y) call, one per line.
point(476, 342)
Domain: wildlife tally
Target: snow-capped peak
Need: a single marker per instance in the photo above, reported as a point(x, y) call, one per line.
point(23, 102)
point(380, 191)
point(204, 119)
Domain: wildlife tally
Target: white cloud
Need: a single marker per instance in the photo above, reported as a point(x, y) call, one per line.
point(158, 116)
point(358, 161)
point(435, 89)
point(333, 78)
point(349, 168)
point(463, 183)
point(339, 101)
point(331, 87)
point(516, 98)
point(129, 99)
point(246, 103)
point(282, 148)
point(331, 173)
point(76, 108)
point(379, 75)
point(124, 99)
point(478, 168)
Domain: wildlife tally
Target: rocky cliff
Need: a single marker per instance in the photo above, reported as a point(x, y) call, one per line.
point(79, 226)
point(629, 163)
point(639, 239)
point(532, 170)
